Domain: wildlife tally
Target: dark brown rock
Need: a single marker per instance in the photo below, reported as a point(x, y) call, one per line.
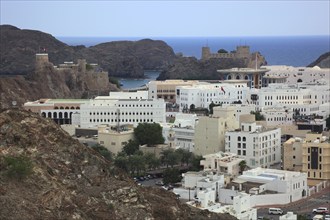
point(72, 181)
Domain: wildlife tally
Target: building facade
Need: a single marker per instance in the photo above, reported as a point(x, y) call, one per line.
point(210, 131)
point(166, 89)
point(292, 154)
point(260, 147)
point(316, 156)
point(105, 111)
point(202, 95)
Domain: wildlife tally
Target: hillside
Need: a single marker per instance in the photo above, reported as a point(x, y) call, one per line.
point(120, 58)
point(191, 68)
point(45, 81)
point(45, 174)
point(323, 61)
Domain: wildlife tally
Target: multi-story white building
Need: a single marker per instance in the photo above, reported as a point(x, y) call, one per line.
point(260, 147)
point(292, 75)
point(128, 95)
point(275, 116)
point(166, 89)
point(104, 110)
point(298, 96)
point(202, 95)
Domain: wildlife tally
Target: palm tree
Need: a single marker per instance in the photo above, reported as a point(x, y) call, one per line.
point(242, 165)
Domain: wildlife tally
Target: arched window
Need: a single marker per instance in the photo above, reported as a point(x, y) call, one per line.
point(238, 77)
point(43, 114)
point(49, 115)
point(238, 138)
point(244, 138)
point(229, 77)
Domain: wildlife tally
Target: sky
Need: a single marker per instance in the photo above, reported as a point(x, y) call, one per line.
point(169, 18)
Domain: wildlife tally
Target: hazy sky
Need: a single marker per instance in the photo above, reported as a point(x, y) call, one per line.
point(169, 18)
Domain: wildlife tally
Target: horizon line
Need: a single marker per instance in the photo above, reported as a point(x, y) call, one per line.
point(148, 37)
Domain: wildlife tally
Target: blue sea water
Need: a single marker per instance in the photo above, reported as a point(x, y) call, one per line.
point(289, 50)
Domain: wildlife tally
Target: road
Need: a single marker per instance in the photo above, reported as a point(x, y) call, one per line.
point(302, 207)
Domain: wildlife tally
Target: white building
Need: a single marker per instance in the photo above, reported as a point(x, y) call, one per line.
point(222, 163)
point(275, 116)
point(181, 133)
point(202, 95)
point(104, 110)
point(298, 96)
point(298, 74)
point(260, 147)
point(127, 95)
point(277, 186)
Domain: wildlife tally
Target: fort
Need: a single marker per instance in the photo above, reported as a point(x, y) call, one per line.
point(240, 52)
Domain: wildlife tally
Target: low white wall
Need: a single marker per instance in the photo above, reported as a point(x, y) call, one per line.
point(184, 193)
point(227, 196)
point(271, 199)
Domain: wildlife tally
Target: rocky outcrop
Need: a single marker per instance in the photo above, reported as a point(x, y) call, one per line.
point(121, 58)
point(323, 61)
point(191, 68)
point(46, 81)
point(68, 180)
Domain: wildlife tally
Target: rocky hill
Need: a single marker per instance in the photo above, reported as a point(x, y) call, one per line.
point(121, 58)
point(45, 174)
point(45, 81)
point(191, 68)
point(323, 61)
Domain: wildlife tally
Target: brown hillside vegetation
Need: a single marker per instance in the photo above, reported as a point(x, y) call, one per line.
point(45, 174)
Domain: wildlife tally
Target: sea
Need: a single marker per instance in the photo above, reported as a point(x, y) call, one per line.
point(295, 51)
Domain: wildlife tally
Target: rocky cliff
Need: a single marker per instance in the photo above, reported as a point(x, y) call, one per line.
point(46, 81)
point(45, 174)
point(191, 68)
point(206, 69)
point(323, 61)
point(120, 58)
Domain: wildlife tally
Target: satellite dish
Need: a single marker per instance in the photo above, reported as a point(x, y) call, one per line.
point(14, 103)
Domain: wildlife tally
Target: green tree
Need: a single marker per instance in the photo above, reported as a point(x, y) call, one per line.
point(18, 167)
point(122, 162)
point(152, 161)
point(169, 157)
point(171, 175)
point(192, 107)
point(196, 163)
point(103, 151)
point(136, 164)
point(185, 156)
point(242, 165)
point(222, 51)
point(258, 115)
point(131, 147)
point(211, 106)
point(150, 134)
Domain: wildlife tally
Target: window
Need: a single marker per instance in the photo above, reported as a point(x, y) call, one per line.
point(239, 138)
point(244, 138)
point(294, 157)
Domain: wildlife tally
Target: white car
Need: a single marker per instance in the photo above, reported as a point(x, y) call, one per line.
point(321, 210)
point(327, 217)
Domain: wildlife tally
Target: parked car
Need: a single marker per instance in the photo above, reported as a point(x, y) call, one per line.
point(327, 217)
point(159, 183)
point(275, 211)
point(321, 210)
